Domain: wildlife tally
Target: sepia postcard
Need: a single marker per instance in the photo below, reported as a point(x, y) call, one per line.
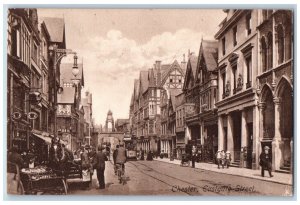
point(150, 101)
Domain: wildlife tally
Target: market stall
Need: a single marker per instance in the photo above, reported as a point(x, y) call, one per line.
point(42, 180)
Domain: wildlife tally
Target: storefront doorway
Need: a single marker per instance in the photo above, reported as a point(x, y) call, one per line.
point(237, 134)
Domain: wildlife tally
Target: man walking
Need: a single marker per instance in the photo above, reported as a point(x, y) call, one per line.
point(114, 158)
point(265, 161)
point(194, 153)
point(100, 166)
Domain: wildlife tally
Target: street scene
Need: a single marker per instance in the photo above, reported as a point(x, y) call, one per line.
point(158, 102)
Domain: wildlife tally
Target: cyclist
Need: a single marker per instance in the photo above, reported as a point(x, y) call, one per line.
point(121, 157)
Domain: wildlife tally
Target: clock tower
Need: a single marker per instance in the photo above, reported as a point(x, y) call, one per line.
point(109, 123)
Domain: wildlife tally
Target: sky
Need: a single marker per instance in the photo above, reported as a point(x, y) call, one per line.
point(116, 44)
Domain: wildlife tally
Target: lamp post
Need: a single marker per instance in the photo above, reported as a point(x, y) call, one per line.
point(57, 54)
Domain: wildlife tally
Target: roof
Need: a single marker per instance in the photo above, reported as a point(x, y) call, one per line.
point(120, 122)
point(179, 99)
point(144, 81)
point(171, 67)
point(210, 54)
point(132, 99)
point(56, 28)
point(66, 73)
point(67, 96)
point(191, 70)
point(136, 88)
point(173, 94)
point(193, 61)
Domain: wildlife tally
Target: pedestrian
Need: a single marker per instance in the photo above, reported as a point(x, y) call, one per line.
point(16, 158)
point(115, 153)
point(86, 167)
point(219, 158)
point(227, 159)
point(194, 155)
point(266, 161)
point(223, 158)
point(100, 166)
point(142, 154)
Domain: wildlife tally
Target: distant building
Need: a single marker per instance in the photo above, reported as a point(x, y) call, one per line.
point(122, 125)
point(87, 104)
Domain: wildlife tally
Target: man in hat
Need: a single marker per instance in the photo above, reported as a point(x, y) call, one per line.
point(100, 166)
point(219, 158)
point(266, 161)
point(121, 157)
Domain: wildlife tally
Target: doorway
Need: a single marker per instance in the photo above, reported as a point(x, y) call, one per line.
point(237, 131)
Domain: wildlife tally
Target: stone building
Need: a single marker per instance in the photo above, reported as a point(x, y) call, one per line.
point(275, 86)
point(238, 115)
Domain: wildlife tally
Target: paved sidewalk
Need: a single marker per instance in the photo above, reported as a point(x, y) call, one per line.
point(280, 178)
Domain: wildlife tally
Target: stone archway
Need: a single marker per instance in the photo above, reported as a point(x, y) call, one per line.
point(284, 93)
point(268, 113)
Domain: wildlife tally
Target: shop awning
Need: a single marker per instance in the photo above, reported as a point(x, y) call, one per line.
point(45, 138)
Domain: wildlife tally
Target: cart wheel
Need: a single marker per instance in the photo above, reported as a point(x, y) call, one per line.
point(65, 187)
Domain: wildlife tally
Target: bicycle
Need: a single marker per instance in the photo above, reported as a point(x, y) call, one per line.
point(121, 173)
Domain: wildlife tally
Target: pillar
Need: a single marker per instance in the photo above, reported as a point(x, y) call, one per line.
point(276, 143)
point(244, 129)
point(201, 132)
point(230, 142)
point(256, 138)
point(220, 133)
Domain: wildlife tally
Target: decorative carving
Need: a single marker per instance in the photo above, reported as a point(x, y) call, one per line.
point(239, 83)
point(227, 89)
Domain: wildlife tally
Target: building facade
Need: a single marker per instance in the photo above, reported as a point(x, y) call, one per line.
point(238, 115)
point(19, 78)
point(275, 86)
point(207, 81)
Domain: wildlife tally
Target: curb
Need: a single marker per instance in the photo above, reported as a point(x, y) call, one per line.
point(262, 179)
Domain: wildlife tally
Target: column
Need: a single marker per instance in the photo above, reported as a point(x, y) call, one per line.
point(244, 129)
point(276, 143)
point(230, 142)
point(256, 138)
point(202, 132)
point(243, 137)
point(220, 133)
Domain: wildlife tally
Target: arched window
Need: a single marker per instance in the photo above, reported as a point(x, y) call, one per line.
point(280, 35)
point(263, 54)
point(270, 50)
